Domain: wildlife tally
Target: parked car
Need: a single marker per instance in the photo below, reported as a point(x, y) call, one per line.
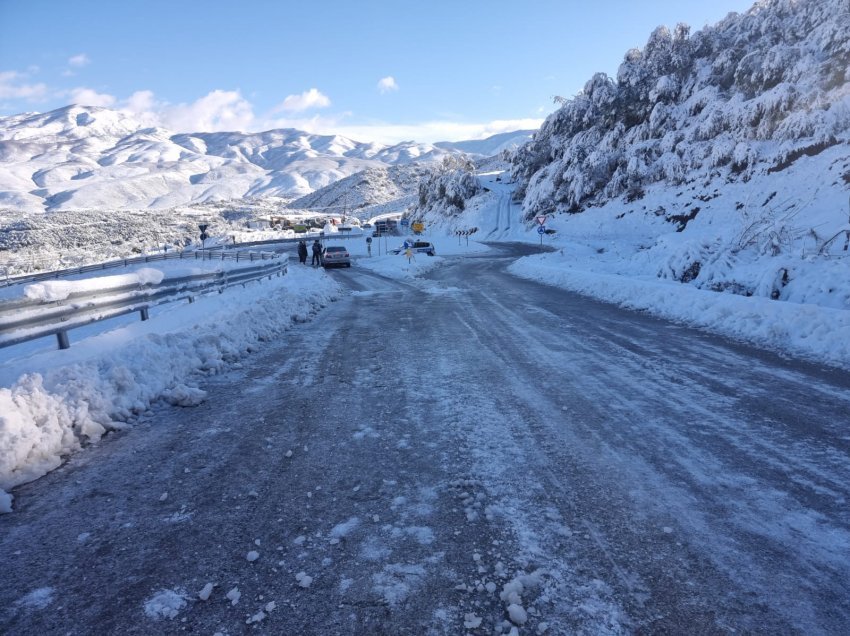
point(336, 256)
point(418, 247)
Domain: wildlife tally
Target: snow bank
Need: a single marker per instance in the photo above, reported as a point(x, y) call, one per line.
point(397, 265)
point(62, 400)
point(804, 329)
point(54, 290)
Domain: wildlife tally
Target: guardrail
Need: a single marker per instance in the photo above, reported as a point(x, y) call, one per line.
point(124, 262)
point(22, 320)
point(304, 237)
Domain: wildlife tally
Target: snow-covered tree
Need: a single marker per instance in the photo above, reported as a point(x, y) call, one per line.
point(448, 185)
point(752, 93)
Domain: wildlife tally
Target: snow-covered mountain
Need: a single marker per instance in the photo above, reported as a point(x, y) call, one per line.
point(86, 157)
point(490, 146)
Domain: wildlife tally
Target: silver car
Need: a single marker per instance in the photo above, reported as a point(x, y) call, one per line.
point(336, 256)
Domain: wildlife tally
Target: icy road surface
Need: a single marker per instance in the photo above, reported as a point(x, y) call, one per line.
point(467, 452)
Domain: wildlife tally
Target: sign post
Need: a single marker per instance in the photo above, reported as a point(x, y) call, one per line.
point(203, 228)
point(541, 231)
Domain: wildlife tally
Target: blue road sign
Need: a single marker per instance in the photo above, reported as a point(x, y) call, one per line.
point(541, 229)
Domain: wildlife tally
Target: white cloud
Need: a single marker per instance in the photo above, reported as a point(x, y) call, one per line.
point(78, 61)
point(13, 86)
point(214, 112)
point(305, 101)
point(387, 84)
point(89, 97)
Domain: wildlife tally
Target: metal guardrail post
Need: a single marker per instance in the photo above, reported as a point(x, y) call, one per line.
point(144, 312)
point(62, 339)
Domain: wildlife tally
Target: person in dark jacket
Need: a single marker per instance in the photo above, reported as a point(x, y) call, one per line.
point(317, 253)
point(302, 252)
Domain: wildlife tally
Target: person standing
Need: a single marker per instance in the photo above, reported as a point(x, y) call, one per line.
point(317, 253)
point(302, 252)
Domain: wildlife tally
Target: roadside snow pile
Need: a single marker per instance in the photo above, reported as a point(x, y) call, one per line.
point(55, 290)
point(808, 330)
point(397, 266)
point(61, 400)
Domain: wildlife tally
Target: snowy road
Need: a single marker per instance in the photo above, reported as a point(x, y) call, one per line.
point(465, 450)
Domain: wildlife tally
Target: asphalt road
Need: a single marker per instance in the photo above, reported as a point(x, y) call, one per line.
point(421, 450)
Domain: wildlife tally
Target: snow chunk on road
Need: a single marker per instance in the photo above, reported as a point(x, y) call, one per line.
point(517, 614)
point(342, 530)
point(512, 592)
point(303, 579)
point(204, 594)
point(252, 556)
point(234, 595)
point(164, 604)
point(38, 599)
point(182, 395)
point(5, 501)
point(471, 621)
point(256, 618)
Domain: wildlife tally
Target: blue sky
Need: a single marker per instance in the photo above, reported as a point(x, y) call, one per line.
point(373, 71)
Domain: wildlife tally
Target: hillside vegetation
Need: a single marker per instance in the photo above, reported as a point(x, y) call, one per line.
point(749, 95)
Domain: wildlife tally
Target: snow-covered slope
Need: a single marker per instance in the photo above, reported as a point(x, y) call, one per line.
point(359, 194)
point(745, 97)
point(490, 146)
point(85, 157)
point(720, 160)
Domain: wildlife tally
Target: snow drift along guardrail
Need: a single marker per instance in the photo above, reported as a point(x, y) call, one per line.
point(25, 319)
point(204, 255)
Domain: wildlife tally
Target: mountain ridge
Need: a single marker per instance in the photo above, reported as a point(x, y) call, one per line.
point(79, 157)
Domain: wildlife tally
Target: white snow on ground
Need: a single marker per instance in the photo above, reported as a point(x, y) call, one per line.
point(342, 530)
point(806, 329)
point(37, 599)
point(627, 253)
point(397, 265)
point(397, 581)
point(54, 402)
point(164, 604)
point(54, 290)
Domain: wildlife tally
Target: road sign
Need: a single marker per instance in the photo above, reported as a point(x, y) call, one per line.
point(541, 219)
point(404, 222)
point(418, 227)
point(541, 229)
point(368, 239)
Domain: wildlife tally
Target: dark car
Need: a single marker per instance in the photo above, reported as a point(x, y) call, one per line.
point(336, 256)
